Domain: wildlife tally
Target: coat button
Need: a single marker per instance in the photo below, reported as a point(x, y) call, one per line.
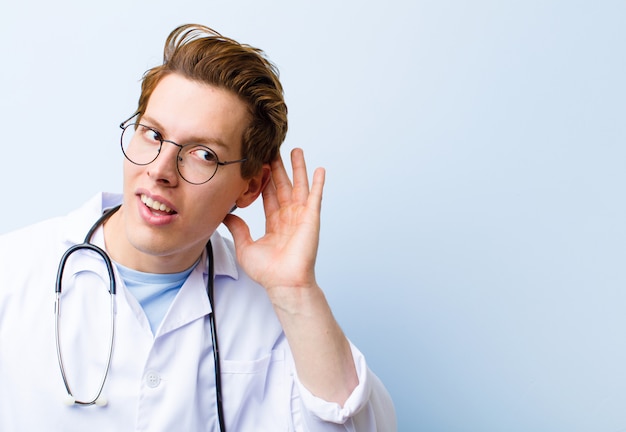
point(152, 379)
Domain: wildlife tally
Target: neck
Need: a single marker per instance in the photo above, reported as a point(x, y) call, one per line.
point(148, 258)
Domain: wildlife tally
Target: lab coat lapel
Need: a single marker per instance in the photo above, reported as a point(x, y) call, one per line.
point(191, 302)
point(79, 221)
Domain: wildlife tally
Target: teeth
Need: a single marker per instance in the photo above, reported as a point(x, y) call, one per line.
point(155, 204)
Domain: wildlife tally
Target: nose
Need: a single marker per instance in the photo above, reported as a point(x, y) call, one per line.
point(164, 169)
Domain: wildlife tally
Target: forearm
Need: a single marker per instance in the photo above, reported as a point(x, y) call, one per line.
point(321, 352)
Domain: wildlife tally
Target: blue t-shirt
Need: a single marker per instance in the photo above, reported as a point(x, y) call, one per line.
point(154, 292)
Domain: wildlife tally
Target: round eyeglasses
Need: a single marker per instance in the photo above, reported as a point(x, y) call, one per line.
point(196, 163)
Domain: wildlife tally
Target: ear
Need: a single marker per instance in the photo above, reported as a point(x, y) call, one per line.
point(256, 184)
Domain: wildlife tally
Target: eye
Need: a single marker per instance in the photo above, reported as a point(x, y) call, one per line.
point(149, 135)
point(203, 154)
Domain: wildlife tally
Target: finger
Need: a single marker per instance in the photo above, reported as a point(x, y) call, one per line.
point(315, 197)
point(281, 182)
point(270, 199)
point(300, 191)
point(239, 230)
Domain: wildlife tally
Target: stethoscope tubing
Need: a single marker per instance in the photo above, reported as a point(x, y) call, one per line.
point(216, 350)
point(87, 245)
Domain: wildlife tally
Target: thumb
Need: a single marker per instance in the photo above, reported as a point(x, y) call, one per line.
point(239, 230)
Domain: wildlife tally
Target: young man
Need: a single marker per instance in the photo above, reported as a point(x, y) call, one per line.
point(205, 139)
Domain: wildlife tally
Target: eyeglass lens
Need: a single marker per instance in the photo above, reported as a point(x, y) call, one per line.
point(141, 145)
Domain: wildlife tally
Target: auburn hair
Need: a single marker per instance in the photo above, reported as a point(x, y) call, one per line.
point(201, 54)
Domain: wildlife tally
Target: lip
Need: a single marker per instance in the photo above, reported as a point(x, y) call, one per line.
point(155, 217)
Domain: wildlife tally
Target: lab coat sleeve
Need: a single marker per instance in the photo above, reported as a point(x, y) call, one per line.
point(368, 409)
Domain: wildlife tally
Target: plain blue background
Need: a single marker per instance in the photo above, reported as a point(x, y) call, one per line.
point(473, 236)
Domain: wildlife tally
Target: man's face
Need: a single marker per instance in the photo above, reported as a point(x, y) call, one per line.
point(183, 111)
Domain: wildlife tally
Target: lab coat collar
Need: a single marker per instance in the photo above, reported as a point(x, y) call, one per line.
point(80, 221)
point(191, 302)
point(224, 257)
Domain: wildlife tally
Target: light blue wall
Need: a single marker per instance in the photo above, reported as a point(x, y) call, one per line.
point(473, 237)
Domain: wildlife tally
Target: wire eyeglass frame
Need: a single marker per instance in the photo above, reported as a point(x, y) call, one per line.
point(180, 157)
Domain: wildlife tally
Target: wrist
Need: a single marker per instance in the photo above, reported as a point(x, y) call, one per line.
point(302, 300)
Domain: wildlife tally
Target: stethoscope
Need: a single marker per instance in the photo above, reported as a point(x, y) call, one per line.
point(99, 399)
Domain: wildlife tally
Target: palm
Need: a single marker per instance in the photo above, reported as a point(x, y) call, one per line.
point(285, 255)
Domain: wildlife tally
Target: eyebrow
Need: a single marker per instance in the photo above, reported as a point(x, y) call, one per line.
point(153, 123)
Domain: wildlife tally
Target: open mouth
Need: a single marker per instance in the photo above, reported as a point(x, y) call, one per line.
point(156, 205)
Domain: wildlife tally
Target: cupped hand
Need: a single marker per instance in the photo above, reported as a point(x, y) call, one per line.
point(285, 256)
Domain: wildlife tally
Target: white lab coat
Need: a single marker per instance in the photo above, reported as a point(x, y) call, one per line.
point(161, 382)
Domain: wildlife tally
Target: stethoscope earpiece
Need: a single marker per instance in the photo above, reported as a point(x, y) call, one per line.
point(70, 400)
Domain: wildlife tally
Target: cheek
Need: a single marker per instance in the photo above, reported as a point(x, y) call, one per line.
point(222, 195)
point(213, 200)
point(130, 171)
point(127, 167)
